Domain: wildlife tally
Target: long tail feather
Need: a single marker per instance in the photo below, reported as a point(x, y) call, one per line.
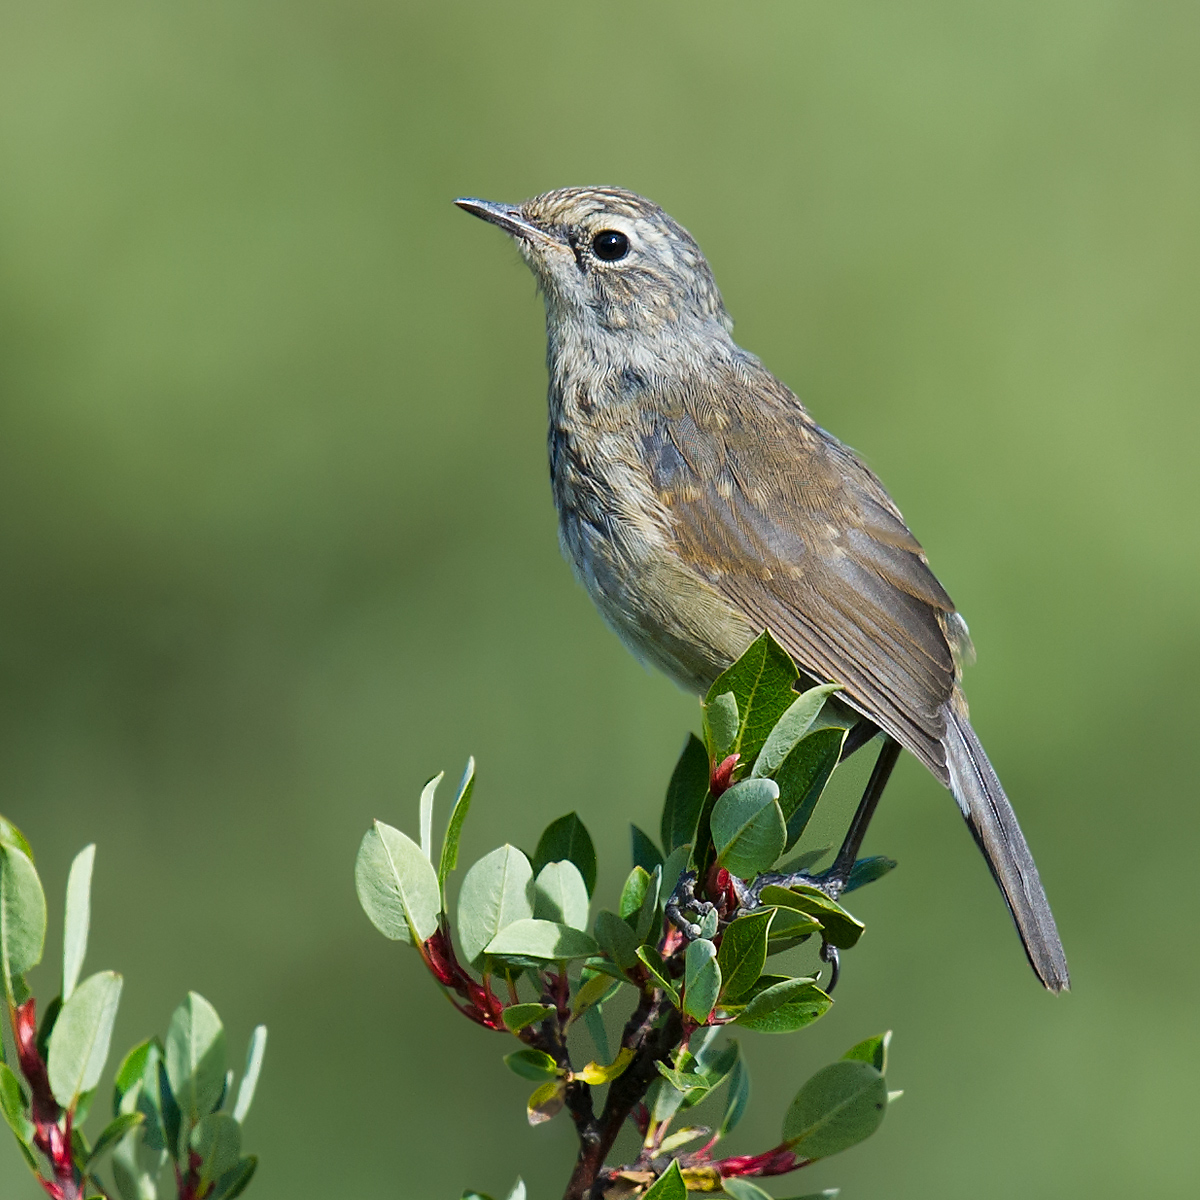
point(994, 825)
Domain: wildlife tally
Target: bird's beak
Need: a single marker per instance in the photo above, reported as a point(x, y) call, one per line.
point(508, 216)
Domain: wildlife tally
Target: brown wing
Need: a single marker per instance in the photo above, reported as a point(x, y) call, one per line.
point(790, 527)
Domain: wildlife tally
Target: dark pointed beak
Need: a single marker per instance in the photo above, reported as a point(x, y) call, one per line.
point(508, 216)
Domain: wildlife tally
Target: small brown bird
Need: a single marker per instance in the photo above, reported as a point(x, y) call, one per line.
point(700, 504)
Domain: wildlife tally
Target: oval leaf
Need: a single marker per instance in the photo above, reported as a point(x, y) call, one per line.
point(743, 952)
point(568, 839)
point(796, 1004)
point(81, 1037)
point(549, 940)
point(518, 1016)
point(748, 828)
point(840, 928)
point(425, 814)
point(838, 1107)
point(791, 727)
point(721, 722)
point(494, 894)
point(702, 980)
point(874, 1051)
point(397, 885)
point(22, 916)
point(195, 1057)
point(559, 894)
point(531, 1064)
point(78, 917)
point(617, 939)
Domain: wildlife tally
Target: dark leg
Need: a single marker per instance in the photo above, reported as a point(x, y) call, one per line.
point(835, 878)
point(858, 737)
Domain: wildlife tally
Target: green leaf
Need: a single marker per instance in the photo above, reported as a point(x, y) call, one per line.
point(737, 1096)
point(802, 777)
point(594, 988)
point(254, 1061)
point(874, 1051)
point(234, 1182)
point(397, 886)
point(458, 815)
point(559, 894)
point(743, 1189)
point(618, 941)
point(675, 866)
point(537, 939)
point(762, 681)
point(568, 839)
point(748, 828)
point(81, 1037)
point(14, 1107)
point(195, 1057)
point(840, 928)
point(425, 808)
point(685, 795)
point(648, 925)
point(657, 969)
point(593, 1018)
point(78, 917)
point(669, 1185)
point(791, 727)
point(645, 853)
point(130, 1073)
point(838, 1107)
point(531, 1064)
point(701, 980)
point(518, 1190)
point(683, 1081)
point(22, 918)
point(494, 893)
point(743, 952)
point(518, 1016)
point(721, 724)
point(634, 892)
point(113, 1132)
point(789, 929)
point(546, 1102)
point(10, 835)
point(867, 870)
point(798, 1003)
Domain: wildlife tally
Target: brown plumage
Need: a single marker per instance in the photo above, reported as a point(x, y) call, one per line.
point(699, 504)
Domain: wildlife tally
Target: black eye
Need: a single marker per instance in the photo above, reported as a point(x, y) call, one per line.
point(610, 245)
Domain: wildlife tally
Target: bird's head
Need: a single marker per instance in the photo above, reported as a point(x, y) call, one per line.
point(611, 259)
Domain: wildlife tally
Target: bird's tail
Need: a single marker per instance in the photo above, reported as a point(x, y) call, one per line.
point(994, 825)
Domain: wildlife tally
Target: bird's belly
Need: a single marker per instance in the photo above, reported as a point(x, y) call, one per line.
point(663, 612)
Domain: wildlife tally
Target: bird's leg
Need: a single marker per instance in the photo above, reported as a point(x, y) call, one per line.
point(683, 899)
point(833, 880)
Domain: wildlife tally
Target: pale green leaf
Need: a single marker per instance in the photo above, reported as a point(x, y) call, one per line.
point(559, 894)
point(397, 885)
point(702, 980)
point(721, 722)
point(80, 1040)
point(791, 727)
point(254, 1062)
point(425, 812)
point(22, 917)
point(195, 1057)
point(495, 893)
point(568, 839)
point(78, 917)
point(550, 940)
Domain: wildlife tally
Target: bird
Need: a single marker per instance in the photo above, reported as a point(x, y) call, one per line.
point(699, 504)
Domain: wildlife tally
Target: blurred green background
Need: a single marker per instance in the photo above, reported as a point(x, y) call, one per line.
point(276, 539)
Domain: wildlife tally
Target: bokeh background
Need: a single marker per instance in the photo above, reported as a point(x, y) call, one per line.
point(276, 539)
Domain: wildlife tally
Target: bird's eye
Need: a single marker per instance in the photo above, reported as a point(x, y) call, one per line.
point(610, 245)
